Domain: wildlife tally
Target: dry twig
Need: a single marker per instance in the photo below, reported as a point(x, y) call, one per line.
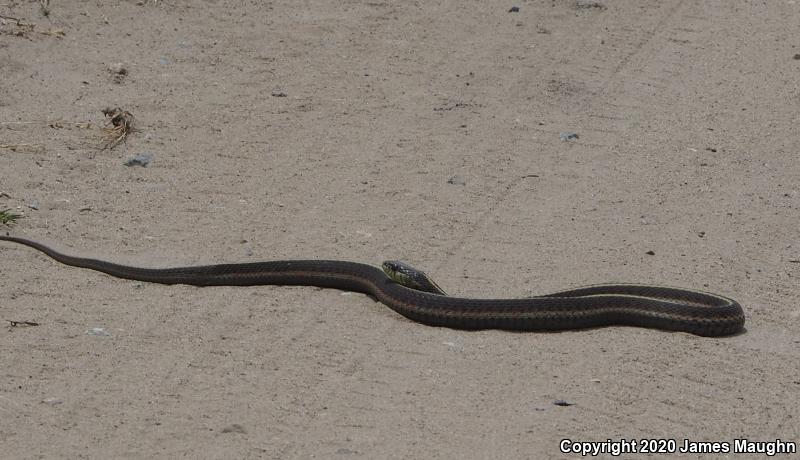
point(24, 28)
point(22, 323)
point(15, 147)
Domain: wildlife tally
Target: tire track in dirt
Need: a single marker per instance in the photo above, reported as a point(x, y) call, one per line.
point(606, 90)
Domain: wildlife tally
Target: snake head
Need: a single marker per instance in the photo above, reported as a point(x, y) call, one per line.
point(400, 273)
point(408, 276)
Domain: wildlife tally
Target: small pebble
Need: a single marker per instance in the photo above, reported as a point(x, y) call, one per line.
point(797, 56)
point(568, 136)
point(457, 180)
point(142, 159)
point(34, 205)
point(589, 4)
point(234, 428)
point(563, 403)
point(53, 401)
point(650, 253)
point(98, 332)
point(514, 9)
point(344, 451)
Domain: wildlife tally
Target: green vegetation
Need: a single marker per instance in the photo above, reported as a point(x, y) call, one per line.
point(7, 217)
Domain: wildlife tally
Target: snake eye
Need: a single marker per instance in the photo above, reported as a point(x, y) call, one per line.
point(390, 265)
point(399, 267)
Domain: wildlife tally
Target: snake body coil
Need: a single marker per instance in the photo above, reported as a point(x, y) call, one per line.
point(593, 306)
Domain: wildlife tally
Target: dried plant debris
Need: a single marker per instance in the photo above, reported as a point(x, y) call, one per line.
point(55, 124)
point(19, 27)
point(58, 124)
point(120, 124)
point(19, 136)
point(14, 323)
point(10, 25)
point(7, 217)
point(23, 147)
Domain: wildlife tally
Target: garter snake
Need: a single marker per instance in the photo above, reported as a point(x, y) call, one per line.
point(414, 295)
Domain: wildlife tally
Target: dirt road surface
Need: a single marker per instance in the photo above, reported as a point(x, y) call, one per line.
point(429, 132)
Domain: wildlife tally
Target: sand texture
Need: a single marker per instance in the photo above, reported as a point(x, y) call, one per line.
point(438, 133)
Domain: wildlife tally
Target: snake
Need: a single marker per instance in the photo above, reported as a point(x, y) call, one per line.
point(413, 294)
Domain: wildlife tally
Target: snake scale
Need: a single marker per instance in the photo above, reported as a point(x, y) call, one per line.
point(640, 305)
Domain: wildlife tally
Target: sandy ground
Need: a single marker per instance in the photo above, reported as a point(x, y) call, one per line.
point(330, 130)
